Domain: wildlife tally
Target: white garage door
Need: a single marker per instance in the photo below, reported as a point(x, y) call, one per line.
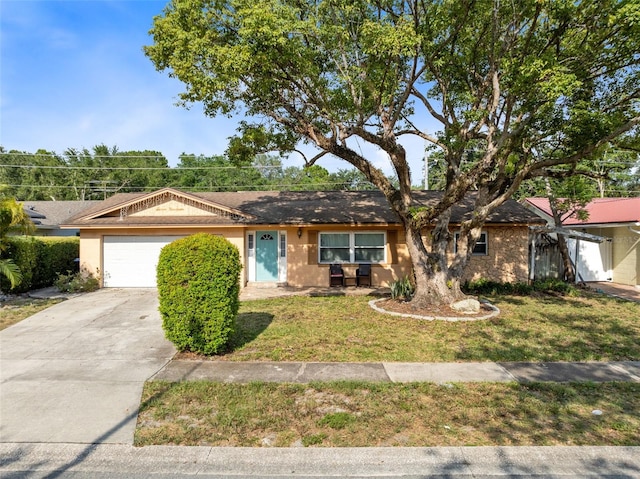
point(595, 260)
point(130, 261)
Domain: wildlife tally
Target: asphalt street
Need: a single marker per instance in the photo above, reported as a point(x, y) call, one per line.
point(122, 461)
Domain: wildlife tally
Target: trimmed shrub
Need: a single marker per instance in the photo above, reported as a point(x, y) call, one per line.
point(41, 260)
point(486, 287)
point(554, 286)
point(199, 289)
point(24, 253)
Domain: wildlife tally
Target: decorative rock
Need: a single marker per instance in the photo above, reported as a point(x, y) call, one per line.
point(467, 306)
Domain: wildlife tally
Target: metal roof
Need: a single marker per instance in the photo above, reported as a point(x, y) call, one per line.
point(600, 210)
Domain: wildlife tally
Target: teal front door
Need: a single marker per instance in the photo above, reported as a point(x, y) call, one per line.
point(266, 256)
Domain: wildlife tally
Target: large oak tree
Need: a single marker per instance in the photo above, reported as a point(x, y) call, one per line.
point(507, 79)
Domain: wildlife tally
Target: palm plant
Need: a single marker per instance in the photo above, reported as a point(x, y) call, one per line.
point(13, 219)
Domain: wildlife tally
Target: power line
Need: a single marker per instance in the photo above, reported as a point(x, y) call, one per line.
point(89, 155)
point(200, 188)
point(269, 187)
point(111, 168)
point(118, 156)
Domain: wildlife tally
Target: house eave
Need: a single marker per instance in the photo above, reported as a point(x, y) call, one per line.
point(604, 225)
point(570, 233)
point(124, 226)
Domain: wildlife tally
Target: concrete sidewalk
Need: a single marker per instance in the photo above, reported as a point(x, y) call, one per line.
point(300, 372)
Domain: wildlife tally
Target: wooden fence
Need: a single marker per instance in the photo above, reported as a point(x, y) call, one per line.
point(548, 261)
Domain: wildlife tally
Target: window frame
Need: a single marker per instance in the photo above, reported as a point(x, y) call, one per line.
point(353, 248)
point(282, 246)
point(478, 243)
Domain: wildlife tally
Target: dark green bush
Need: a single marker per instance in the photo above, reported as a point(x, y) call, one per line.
point(41, 260)
point(24, 254)
point(486, 287)
point(199, 288)
point(554, 286)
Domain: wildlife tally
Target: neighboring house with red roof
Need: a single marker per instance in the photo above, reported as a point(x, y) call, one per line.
point(286, 237)
point(617, 219)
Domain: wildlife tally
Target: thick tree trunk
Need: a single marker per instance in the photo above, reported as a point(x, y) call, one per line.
point(569, 269)
point(431, 273)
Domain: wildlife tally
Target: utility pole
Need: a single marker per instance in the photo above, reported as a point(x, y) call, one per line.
point(426, 170)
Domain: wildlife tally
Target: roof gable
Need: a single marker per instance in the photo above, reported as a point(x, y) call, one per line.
point(167, 202)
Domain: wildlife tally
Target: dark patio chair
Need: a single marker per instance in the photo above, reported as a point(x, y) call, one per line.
point(336, 275)
point(363, 275)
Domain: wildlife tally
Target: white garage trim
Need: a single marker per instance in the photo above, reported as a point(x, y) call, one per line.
point(131, 261)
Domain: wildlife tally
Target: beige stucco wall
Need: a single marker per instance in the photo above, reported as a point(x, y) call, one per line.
point(304, 270)
point(626, 256)
point(507, 259)
point(91, 253)
point(625, 253)
point(91, 259)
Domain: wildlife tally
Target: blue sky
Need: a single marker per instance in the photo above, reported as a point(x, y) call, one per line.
point(73, 75)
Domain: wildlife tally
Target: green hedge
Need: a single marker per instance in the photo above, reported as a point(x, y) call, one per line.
point(484, 286)
point(40, 260)
point(199, 289)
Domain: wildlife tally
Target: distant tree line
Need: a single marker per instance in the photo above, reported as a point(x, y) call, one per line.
point(613, 171)
point(102, 171)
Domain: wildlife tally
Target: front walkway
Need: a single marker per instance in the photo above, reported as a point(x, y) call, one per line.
point(256, 291)
point(621, 291)
point(271, 290)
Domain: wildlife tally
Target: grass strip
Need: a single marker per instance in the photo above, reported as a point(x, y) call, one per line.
point(358, 414)
point(13, 311)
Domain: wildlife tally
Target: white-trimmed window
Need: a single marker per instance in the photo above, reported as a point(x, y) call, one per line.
point(364, 247)
point(480, 249)
point(251, 246)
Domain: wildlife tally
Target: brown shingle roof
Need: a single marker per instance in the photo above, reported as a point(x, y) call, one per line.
point(295, 207)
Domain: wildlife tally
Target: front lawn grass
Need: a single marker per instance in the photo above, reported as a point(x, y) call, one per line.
point(588, 327)
point(357, 414)
point(13, 311)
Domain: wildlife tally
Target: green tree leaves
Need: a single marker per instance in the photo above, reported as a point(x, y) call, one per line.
point(538, 84)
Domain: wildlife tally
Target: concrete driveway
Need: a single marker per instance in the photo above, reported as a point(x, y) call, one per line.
point(74, 372)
